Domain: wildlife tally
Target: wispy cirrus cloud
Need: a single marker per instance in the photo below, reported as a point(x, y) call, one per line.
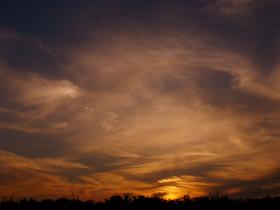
point(31, 99)
point(152, 108)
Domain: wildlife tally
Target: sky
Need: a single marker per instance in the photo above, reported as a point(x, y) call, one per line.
point(151, 97)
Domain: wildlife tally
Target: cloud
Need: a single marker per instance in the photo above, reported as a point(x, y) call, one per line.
point(178, 186)
point(177, 105)
point(231, 7)
point(42, 164)
point(19, 174)
point(31, 99)
point(8, 35)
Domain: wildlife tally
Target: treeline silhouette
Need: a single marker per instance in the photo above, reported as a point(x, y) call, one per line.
point(131, 202)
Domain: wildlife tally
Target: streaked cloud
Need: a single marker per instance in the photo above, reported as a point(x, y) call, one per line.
point(154, 109)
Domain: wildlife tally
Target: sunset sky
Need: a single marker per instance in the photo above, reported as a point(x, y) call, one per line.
point(152, 97)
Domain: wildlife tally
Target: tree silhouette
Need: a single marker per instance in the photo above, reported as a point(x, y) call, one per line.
point(139, 202)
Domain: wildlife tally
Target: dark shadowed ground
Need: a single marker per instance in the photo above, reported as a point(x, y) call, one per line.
point(141, 202)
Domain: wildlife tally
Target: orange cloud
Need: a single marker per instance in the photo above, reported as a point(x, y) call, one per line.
point(164, 114)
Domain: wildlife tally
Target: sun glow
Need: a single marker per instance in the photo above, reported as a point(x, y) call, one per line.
point(171, 192)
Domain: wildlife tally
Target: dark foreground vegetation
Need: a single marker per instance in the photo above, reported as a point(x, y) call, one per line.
point(127, 202)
